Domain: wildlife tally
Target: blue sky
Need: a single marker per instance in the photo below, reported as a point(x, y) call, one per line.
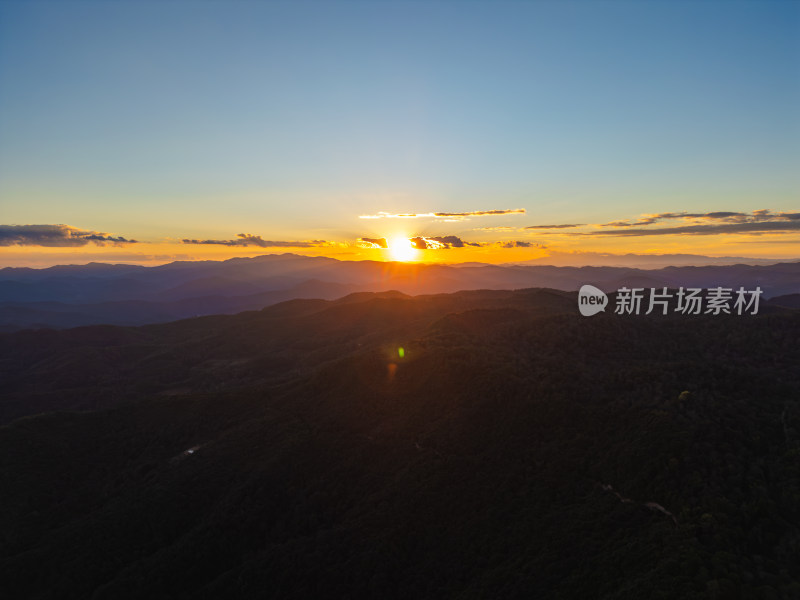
point(164, 120)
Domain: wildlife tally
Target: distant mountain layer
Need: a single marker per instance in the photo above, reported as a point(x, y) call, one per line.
point(68, 296)
point(482, 444)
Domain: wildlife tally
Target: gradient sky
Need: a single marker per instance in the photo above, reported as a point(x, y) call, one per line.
point(289, 122)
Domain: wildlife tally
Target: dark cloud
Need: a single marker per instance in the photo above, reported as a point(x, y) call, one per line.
point(725, 216)
point(54, 236)
point(617, 224)
point(213, 242)
point(754, 227)
point(564, 226)
point(650, 219)
point(440, 242)
point(647, 220)
point(517, 244)
point(452, 241)
point(420, 243)
point(373, 242)
point(245, 239)
point(95, 237)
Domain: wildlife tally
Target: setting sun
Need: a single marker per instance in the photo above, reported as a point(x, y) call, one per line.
point(402, 249)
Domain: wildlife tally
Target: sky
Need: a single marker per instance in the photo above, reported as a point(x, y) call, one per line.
point(146, 132)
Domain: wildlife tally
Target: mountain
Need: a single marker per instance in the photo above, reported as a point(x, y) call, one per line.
point(641, 261)
point(478, 444)
point(68, 296)
point(37, 315)
point(789, 301)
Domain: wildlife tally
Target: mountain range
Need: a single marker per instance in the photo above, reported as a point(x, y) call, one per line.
point(73, 295)
point(478, 444)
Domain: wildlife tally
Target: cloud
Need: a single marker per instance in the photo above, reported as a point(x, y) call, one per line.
point(718, 216)
point(423, 243)
point(565, 226)
point(55, 236)
point(440, 242)
point(246, 239)
point(372, 243)
point(453, 241)
point(617, 224)
point(753, 227)
point(483, 213)
point(729, 216)
point(518, 244)
point(451, 216)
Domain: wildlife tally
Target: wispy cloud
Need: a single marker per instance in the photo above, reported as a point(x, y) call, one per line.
point(757, 223)
point(54, 236)
point(483, 213)
point(755, 228)
point(453, 216)
point(386, 215)
point(564, 226)
point(617, 224)
point(518, 244)
point(756, 216)
point(246, 239)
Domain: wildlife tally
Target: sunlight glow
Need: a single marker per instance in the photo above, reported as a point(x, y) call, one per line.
point(402, 249)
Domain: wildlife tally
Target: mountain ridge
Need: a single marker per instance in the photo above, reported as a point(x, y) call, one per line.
point(185, 289)
point(296, 452)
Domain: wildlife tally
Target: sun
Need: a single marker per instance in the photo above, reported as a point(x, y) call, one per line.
point(402, 249)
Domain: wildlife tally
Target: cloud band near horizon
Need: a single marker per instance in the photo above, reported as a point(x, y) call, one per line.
point(445, 215)
point(56, 236)
point(246, 239)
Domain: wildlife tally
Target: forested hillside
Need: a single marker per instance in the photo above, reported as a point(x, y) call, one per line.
point(488, 444)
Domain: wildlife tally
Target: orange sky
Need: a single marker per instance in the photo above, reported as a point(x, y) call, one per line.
point(717, 236)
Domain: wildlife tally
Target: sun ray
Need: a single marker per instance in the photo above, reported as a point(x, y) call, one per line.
point(401, 249)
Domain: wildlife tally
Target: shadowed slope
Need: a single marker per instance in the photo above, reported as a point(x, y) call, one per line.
point(478, 466)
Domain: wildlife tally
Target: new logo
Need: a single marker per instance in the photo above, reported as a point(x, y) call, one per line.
point(591, 300)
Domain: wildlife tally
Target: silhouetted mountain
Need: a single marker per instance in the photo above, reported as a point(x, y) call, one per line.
point(84, 294)
point(788, 301)
point(36, 315)
point(483, 444)
point(641, 261)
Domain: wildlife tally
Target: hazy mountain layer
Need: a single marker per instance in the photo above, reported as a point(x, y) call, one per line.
point(69, 296)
